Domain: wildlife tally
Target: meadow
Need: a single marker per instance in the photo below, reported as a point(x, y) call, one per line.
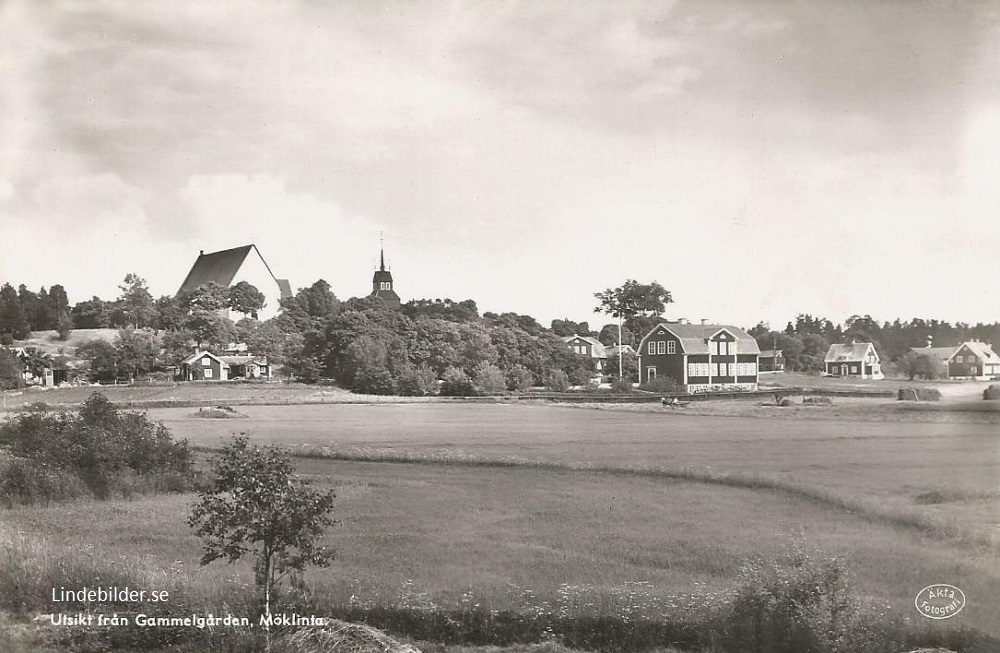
point(574, 511)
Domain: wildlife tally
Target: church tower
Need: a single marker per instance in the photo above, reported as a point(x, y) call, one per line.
point(382, 284)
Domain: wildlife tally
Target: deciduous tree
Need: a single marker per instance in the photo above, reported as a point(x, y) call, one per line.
point(255, 507)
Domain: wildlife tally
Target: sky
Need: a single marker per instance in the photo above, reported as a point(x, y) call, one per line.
point(759, 160)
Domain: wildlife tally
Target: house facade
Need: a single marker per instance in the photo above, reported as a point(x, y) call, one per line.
point(856, 359)
point(590, 348)
point(246, 366)
point(204, 366)
point(772, 360)
point(700, 358)
point(970, 360)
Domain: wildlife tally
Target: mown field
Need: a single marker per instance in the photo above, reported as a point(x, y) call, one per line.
point(581, 511)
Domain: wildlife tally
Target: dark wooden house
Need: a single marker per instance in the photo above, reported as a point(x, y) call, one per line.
point(772, 360)
point(204, 366)
point(700, 357)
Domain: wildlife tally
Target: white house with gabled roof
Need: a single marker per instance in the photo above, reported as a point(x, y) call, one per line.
point(855, 359)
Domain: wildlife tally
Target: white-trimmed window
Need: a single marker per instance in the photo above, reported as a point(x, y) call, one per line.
point(206, 362)
point(671, 347)
point(713, 348)
point(650, 373)
point(208, 372)
point(723, 348)
point(651, 347)
point(661, 347)
point(713, 369)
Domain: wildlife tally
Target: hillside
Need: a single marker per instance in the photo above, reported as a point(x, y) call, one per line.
point(49, 342)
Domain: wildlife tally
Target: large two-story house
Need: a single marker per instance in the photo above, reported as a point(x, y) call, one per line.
point(700, 357)
point(970, 360)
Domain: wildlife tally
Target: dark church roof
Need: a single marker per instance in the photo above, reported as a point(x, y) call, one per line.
point(222, 266)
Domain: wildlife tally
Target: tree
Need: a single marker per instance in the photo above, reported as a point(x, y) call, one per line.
point(177, 345)
point(609, 335)
point(256, 507)
point(11, 374)
point(246, 299)
point(101, 355)
point(136, 303)
point(637, 306)
point(135, 352)
point(568, 327)
point(64, 324)
point(170, 313)
point(12, 319)
point(91, 314)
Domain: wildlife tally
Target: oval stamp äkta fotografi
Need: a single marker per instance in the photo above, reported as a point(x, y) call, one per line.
point(940, 601)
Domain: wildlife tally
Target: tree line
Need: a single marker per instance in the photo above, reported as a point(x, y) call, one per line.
point(364, 346)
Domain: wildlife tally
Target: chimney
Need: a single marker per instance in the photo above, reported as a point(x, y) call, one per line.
point(704, 321)
point(682, 320)
point(197, 349)
point(201, 252)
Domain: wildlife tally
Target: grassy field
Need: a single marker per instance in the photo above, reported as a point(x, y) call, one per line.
point(573, 510)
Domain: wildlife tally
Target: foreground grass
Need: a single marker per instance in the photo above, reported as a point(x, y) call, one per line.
point(576, 543)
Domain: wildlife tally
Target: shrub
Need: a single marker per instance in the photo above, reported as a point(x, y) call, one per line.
point(622, 385)
point(51, 456)
point(416, 381)
point(519, 378)
point(456, 383)
point(992, 392)
point(801, 607)
point(660, 384)
point(557, 381)
point(488, 379)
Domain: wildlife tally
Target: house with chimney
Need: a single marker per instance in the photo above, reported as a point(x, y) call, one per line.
point(859, 360)
point(700, 357)
point(972, 359)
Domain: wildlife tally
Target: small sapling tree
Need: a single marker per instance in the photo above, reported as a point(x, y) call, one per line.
point(256, 507)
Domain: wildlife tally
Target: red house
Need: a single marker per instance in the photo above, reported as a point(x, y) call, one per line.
point(700, 357)
point(204, 366)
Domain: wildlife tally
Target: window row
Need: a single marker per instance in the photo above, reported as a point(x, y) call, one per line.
point(661, 347)
point(721, 369)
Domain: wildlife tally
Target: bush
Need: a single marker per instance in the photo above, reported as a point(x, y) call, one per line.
point(489, 379)
point(660, 384)
point(52, 456)
point(622, 385)
point(557, 381)
point(992, 392)
point(417, 381)
point(801, 607)
point(519, 378)
point(456, 383)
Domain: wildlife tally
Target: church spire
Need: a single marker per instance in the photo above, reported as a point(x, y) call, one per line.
point(382, 287)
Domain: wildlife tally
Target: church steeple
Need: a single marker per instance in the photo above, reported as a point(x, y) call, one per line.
point(382, 288)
